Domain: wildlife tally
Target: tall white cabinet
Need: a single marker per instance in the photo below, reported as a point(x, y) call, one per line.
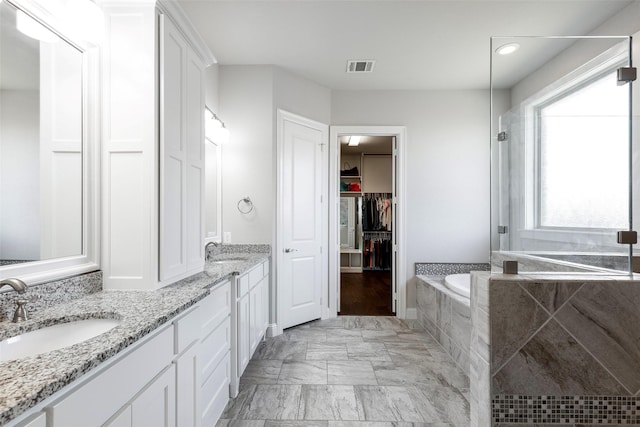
point(153, 145)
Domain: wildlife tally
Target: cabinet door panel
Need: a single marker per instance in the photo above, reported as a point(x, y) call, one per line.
point(156, 405)
point(173, 158)
point(188, 388)
point(244, 334)
point(123, 419)
point(194, 87)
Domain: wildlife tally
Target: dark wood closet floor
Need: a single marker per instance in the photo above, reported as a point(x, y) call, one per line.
point(366, 294)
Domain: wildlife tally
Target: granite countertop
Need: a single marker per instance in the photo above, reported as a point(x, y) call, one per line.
point(26, 382)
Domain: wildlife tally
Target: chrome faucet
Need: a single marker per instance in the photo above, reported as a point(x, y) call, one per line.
point(206, 249)
point(20, 287)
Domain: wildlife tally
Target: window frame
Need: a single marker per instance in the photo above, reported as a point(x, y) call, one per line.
point(582, 77)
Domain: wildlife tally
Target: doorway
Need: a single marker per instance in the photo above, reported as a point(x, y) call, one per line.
point(366, 225)
point(366, 270)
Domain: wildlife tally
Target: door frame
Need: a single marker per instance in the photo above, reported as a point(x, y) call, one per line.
point(335, 132)
point(275, 327)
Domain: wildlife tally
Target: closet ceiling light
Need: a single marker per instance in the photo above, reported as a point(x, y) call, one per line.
point(32, 28)
point(354, 140)
point(507, 49)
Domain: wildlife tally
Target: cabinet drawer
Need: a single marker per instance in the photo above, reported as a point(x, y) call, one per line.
point(187, 329)
point(116, 385)
point(242, 284)
point(215, 308)
point(214, 348)
point(215, 393)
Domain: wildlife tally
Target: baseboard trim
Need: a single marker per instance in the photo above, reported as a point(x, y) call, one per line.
point(411, 313)
point(272, 330)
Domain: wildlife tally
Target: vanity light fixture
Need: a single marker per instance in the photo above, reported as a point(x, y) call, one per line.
point(354, 140)
point(507, 49)
point(32, 28)
point(86, 19)
point(215, 130)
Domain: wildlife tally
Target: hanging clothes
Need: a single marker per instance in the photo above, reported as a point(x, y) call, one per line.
point(376, 212)
point(377, 251)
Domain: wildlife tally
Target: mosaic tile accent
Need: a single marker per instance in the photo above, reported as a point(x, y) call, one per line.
point(444, 268)
point(519, 409)
point(51, 293)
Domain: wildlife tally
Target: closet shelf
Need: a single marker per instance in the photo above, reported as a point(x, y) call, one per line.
point(376, 231)
point(350, 177)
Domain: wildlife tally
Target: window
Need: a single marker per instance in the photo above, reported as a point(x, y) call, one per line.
point(582, 149)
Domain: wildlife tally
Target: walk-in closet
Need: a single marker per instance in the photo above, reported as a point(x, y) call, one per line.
point(366, 225)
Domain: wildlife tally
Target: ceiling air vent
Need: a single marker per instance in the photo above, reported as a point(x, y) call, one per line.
point(360, 66)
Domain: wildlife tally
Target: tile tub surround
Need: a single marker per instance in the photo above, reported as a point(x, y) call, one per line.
point(563, 338)
point(446, 316)
point(51, 293)
point(26, 382)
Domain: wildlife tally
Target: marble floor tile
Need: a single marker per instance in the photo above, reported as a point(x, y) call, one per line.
point(408, 352)
point(387, 424)
point(379, 335)
point(351, 372)
point(308, 334)
point(440, 404)
point(344, 335)
point(387, 403)
point(336, 322)
point(240, 423)
point(261, 372)
point(367, 351)
point(303, 372)
point(276, 349)
point(267, 402)
point(329, 402)
point(427, 372)
point(327, 351)
point(282, 423)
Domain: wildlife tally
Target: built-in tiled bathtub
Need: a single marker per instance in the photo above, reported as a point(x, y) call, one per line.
point(446, 316)
point(443, 313)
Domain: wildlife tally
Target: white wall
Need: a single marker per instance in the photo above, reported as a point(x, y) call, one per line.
point(249, 98)
point(19, 175)
point(212, 88)
point(246, 106)
point(447, 168)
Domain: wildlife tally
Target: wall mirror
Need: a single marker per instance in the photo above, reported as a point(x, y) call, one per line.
point(213, 181)
point(46, 188)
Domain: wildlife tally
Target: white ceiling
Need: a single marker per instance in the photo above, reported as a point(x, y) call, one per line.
point(419, 44)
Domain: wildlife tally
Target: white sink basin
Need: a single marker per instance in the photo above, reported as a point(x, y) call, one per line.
point(53, 338)
point(228, 260)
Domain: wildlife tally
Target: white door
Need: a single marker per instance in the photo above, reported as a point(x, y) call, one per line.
point(302, 215)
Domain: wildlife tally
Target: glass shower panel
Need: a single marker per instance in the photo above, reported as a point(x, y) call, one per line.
point(560, 154)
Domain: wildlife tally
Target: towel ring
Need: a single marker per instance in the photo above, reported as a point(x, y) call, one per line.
point(248, 205)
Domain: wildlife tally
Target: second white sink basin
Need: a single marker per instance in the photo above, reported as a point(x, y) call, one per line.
point(228, 260)
point(53, 338)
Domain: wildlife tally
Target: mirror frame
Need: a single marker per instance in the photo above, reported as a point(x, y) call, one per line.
point(215, 235)
point(59, 268)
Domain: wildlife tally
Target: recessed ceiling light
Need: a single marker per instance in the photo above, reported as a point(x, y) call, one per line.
point(507, 49)
point(354, 140)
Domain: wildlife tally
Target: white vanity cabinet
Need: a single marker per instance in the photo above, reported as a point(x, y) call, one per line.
point(143, 377)
point(152, 146)
point(250, 318)
point(214, 370)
